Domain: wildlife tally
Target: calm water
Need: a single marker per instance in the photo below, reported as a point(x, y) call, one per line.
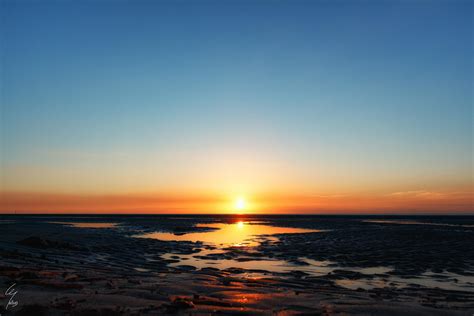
point(236, 234)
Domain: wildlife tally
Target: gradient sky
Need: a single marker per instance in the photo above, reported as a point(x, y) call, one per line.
point(299, 106)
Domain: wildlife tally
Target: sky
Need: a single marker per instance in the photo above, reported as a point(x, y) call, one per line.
point(186, 106)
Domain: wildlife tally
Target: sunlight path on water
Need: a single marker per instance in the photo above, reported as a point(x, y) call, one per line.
point(236, 234)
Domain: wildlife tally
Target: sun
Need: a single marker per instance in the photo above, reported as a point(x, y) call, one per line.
point(240, 204)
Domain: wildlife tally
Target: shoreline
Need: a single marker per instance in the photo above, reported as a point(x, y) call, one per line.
point(60, 269)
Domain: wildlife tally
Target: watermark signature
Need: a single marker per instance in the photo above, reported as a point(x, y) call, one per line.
point(11, 292)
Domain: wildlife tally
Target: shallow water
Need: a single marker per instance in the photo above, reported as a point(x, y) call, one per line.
point(234, 245)
point(250, 234)
point(87, 224)
point(445, 280)
point(271, 265)
point(390, 261)
point(236, 234)
point(311, 267)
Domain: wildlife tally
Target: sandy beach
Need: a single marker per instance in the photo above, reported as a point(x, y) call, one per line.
point(117, 265)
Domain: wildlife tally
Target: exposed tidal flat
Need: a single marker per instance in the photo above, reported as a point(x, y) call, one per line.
point(201, 265)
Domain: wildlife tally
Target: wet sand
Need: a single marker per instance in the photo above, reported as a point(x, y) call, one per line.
point(327, 265)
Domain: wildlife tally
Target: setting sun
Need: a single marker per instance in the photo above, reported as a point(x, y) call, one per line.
point(239, 204)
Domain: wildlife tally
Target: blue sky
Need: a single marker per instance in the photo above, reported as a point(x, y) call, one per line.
point(147, 95)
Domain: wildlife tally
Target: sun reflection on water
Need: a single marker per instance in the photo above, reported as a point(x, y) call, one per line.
point(237, 234)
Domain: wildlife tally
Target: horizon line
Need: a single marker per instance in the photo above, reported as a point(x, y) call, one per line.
point(468, 213)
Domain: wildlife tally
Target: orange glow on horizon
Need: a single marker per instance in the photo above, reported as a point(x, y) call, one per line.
point(406, 202)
